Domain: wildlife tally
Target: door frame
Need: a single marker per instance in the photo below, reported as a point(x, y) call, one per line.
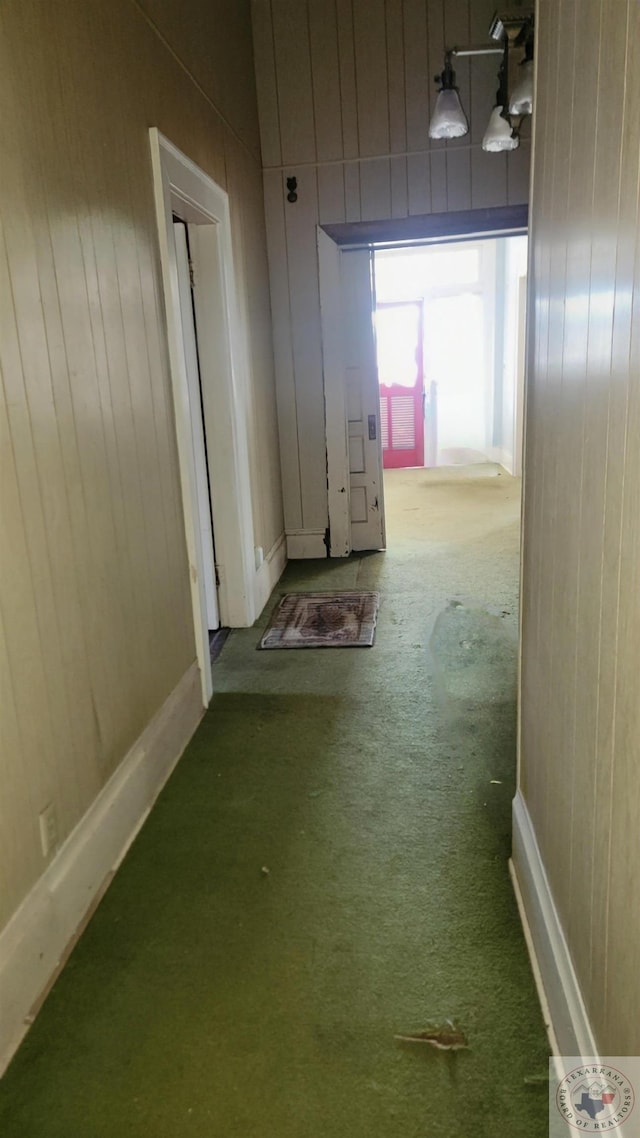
point(190, 339)
point(434, 229)
point(183, 189)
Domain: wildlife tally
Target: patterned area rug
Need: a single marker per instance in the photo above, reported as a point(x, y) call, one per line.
point(323, 620)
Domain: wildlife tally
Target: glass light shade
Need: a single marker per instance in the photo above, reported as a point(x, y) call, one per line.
point(498, 135)
point(448, 119)
point(521, 102)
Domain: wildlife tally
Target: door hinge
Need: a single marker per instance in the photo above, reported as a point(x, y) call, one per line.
point(327, 540)
point(192, 280)
point(217, 573)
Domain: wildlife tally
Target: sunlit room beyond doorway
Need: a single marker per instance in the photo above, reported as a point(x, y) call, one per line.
point(450, 345)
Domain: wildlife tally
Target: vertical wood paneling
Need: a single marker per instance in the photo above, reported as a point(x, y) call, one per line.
point(399, 188)
point(369, 28)
point(518, 163)
point(581, 572)
point(48, 533)
point(352, 191)
point(375, 189)
point(295, 95)
point(266, 81)
point(458, 179)
point(301, 220)
point(347, 78)
point(323, 32)
point(394, 31)
point(488, 178)
point(621, 571)
point(24, 781)
point(558, 725)
point(275, 203)
point(613, 966)
point(95, 618)
point(438, 181)
point(419, 184)
point(417, 85)
point(331, 203)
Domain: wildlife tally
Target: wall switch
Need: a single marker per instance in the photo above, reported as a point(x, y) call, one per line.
point(48, 830)
point(259, 555)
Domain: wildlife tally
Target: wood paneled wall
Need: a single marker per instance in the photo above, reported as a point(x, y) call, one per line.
point(580, 743)
point(96, 627)
point(345, 90)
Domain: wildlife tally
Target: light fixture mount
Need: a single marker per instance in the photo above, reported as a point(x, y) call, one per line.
point(507, 31)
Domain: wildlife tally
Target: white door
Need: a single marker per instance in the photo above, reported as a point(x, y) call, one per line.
point(363, 401)
point(197, 429)
point(335, 398)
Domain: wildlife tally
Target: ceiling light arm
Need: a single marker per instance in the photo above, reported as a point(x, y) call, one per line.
point(502, 96)
point(463, 51)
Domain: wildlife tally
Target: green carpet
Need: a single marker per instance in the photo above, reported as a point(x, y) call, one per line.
point(209, 997)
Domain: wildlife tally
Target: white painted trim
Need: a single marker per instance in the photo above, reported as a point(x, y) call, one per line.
point(506, 461)
point(39, 937)
point(181, 187)
point(337, 437)
point(190, 345)
point(305, 543)
point(558, 986)
point(270, 572)
point(535, 967)
point(502, 457)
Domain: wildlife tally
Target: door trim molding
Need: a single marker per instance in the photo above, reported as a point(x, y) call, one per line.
point(182, 187)
point(494, 221)
point(563, 1007)
point(336, 426)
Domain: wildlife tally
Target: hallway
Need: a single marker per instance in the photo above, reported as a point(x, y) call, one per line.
point(326, 868)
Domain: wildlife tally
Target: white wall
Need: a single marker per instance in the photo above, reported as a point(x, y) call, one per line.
point(96, 627)
point(580, 697)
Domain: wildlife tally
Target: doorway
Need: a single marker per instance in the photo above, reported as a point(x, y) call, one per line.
point(450, 366)
point(448, 352)
point(450, 361)
point(207, 376)
point(184, 266)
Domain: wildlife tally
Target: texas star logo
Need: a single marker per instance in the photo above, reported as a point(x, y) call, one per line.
point(595, 1099)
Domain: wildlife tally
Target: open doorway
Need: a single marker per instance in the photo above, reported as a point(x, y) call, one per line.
point(206, 371)
point(449, 357)
point(462, 325)
point(449, 325)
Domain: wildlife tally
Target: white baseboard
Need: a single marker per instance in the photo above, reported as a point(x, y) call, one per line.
point(40, 935)
point(270, 572)
point(506, 461)
point(560, 996)
point(305, 543)
point(502, 457)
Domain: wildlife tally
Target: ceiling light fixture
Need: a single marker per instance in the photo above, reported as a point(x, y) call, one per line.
point(500, 134)
point(448, 119)
point(509, 33)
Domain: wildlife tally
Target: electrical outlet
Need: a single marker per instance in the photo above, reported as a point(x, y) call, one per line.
point(48, 830)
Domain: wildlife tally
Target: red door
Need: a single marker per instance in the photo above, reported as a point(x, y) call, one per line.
point(401, 376)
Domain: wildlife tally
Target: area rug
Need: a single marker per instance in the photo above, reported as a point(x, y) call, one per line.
point(323, 620)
